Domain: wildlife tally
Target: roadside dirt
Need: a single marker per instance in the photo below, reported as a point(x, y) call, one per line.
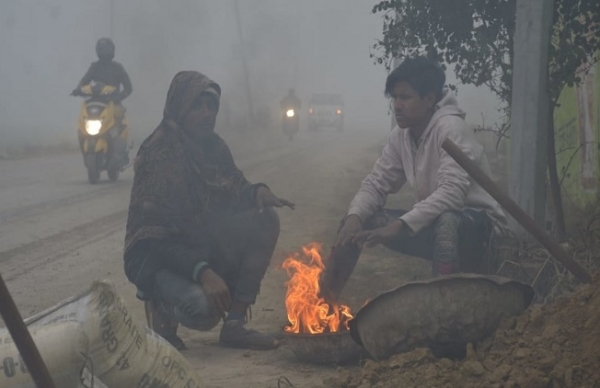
point(555, 345)
point(321, 181)
point(58, 234)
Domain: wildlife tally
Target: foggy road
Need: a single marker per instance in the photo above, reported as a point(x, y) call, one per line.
point(58, 234)
point(48, 211)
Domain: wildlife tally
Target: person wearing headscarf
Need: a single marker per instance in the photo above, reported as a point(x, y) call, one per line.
point(199, 236)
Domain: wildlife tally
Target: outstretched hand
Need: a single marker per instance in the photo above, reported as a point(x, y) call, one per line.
point(265, 198)
point(372, 238)
point(352, 226)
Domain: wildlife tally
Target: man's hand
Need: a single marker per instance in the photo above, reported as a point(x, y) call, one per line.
point(371, 238)
point(352, 226)
point(216, 291)
point(264, 198)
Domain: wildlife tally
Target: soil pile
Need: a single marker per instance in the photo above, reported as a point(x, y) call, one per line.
point(554, 345)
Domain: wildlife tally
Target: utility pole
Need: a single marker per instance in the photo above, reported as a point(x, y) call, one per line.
point(530, 107)
point(111, 19)
point(244, 62)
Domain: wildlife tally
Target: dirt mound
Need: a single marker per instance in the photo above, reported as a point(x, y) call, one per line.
point(554, 345)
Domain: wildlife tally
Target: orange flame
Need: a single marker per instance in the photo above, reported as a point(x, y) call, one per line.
point(307, 311)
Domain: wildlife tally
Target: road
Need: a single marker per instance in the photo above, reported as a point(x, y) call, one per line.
point(58, 233)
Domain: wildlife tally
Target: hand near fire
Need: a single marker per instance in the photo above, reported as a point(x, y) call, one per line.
point(352, 226)
point(265, 198)
point(372, 238)
point(216, 291)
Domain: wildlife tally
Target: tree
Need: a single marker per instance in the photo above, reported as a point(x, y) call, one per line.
point(476, 37)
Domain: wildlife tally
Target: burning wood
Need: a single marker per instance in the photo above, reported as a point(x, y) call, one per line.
point(307, 310)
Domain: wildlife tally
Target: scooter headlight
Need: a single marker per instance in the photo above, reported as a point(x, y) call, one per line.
point(92, 127)
point(290, 113)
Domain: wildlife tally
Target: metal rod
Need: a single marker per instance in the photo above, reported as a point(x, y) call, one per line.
point(514, 210)
point(27, 348)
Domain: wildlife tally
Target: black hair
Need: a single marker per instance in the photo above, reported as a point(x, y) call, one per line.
point(424, 75)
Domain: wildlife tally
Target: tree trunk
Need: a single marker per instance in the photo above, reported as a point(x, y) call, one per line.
point(555, 188)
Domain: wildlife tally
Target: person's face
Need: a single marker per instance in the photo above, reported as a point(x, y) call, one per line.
point(411, 110)
point(200, 120)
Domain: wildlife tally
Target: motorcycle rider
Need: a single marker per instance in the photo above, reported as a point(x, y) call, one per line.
point(291, 101)
point(110, 72)
point(290, 124)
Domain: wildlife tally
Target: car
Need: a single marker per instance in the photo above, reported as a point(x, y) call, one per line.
point(326, 110)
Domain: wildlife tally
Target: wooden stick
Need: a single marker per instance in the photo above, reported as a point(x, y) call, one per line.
point(17, 329)
point(514, 210)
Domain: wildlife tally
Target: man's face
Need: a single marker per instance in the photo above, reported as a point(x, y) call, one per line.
point(200, 121)
point(411, 110)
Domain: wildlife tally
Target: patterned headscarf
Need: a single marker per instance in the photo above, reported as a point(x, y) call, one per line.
point(178, 179)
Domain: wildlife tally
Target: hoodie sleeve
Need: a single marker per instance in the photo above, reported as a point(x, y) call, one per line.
point(88, 77)
point(387, 177)
point(452, 183)
point(126, 81)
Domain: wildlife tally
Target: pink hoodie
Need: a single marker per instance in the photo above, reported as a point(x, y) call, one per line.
point(440, 184)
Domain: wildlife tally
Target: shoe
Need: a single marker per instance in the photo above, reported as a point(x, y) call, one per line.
point(161, 321)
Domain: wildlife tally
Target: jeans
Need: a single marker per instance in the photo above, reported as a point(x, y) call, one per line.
point(454, 242)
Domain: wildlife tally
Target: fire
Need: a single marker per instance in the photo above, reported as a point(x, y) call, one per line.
point(307, 311)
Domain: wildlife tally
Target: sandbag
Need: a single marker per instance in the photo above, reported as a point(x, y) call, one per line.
point(441, 313)
point(121, 352)
point(63, 347)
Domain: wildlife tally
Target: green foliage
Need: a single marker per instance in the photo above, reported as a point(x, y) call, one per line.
point(476, 37)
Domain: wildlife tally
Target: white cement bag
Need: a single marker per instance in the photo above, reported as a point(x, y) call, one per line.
point(63, 347)
point(122, 353)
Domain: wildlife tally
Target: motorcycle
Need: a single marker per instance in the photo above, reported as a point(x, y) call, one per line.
point(102, 133)
point(290, 122)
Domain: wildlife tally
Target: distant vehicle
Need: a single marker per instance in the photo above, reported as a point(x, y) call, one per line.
point(326, 110)
point(102, 138)
point(290, 122)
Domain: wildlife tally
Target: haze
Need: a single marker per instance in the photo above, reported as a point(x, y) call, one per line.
point(311, 45)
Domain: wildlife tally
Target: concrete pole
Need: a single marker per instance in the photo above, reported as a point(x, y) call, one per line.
point(529, 108)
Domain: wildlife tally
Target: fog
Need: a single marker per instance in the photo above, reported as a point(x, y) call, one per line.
point(312, 45)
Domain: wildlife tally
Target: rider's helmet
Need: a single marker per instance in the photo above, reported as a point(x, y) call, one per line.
point(105, 49)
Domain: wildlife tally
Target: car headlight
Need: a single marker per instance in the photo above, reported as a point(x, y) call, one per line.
point(92, 127)
point(338, 112)
point(290, 113)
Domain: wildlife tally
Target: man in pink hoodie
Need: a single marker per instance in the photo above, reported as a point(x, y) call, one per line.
point(453, 218)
